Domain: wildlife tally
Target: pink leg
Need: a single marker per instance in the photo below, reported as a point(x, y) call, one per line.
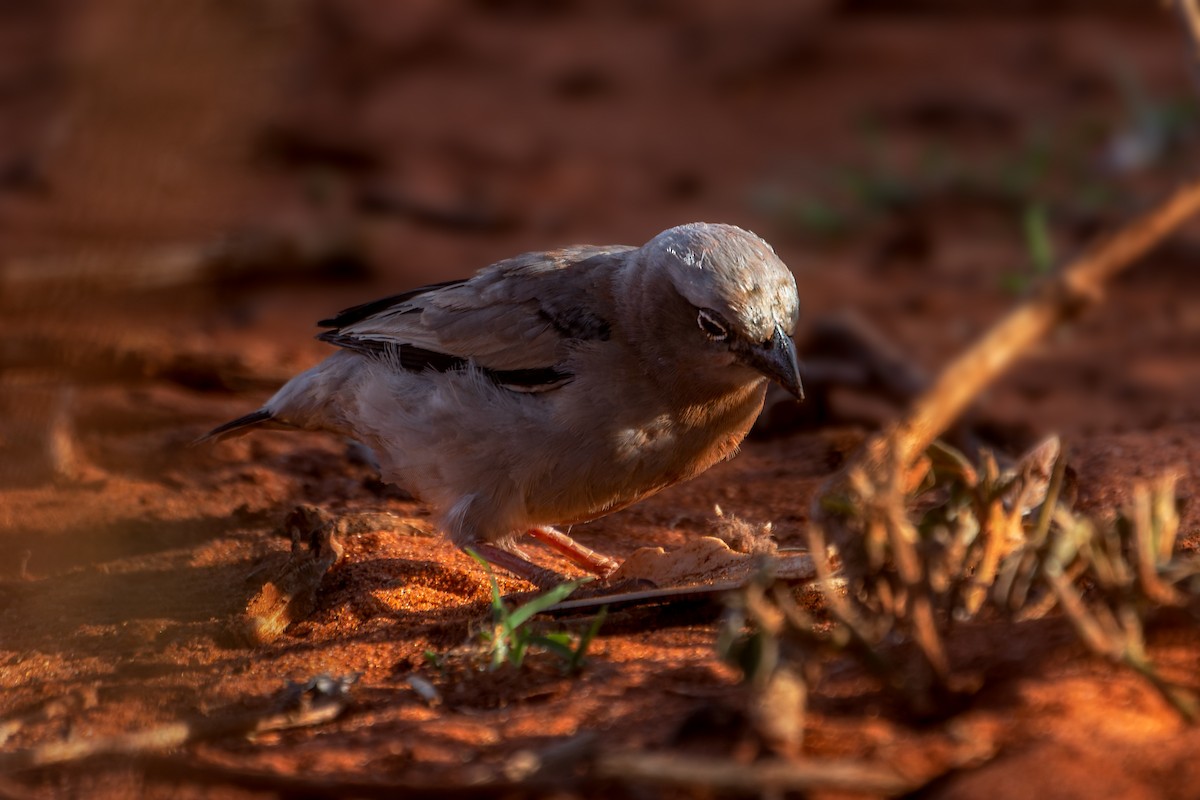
point(579, 555)
point(521, 567)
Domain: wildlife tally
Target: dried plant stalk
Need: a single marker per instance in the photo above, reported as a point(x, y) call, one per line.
point(863, 510)
point(1075, 287)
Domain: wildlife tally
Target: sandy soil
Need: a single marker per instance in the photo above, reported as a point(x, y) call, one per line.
point(339, 151)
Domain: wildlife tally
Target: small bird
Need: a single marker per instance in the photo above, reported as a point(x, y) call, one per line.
point(555, 387)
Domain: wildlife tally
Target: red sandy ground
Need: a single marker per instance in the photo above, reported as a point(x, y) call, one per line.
point(536, 124)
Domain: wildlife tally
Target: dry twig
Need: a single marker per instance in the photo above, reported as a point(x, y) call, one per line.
point(1189, 10)
point(581, 767)
point(299, 705)
point(1063, 298)
point(720, 775)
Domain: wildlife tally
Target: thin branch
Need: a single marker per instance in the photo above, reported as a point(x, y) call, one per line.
point(299, 705)
point(164, 737)
point(1075, 287)
point(720, 775)
point(1189, 10)
point(641, 770)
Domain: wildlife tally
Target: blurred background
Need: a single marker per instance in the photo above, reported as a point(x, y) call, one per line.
point(186, 186)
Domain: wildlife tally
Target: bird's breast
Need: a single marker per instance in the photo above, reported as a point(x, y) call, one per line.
point(621, 458)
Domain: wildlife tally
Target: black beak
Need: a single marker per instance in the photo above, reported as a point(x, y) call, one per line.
point(775, 358)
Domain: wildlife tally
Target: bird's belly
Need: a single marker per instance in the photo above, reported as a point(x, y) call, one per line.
point(550, 459)
point(618, 465)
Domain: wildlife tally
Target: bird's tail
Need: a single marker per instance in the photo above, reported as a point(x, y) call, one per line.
point(309, 401)
point(241, 425)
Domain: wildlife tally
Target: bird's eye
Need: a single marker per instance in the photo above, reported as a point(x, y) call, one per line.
point(712, 325)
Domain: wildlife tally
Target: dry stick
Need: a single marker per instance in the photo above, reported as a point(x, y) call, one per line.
point(175, 771)
point(630, 769)
point(560, 766)
point(1078, 285)
point(1190, 11)
point(1148, 547)
point(168, 736)
point(764, 776)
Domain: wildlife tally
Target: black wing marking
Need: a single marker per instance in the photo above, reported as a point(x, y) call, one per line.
point(578, 324)
point(529, 380)
point(418, 359)
point(407, 356)
point(358, 313)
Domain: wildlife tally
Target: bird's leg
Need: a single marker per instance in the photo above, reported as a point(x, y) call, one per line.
point(522, 567)
point(578, 554)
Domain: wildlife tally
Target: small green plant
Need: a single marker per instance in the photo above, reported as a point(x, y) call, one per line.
point(1039, 244)
point(1037, 238)
point(435, 660)
point(510, 637)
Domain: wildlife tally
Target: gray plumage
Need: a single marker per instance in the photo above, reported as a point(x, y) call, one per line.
point(553, 388)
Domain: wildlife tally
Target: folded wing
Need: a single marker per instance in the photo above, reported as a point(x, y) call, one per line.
point(514, 320)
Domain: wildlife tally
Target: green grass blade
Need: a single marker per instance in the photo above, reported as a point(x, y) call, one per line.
point(576, 660)
point(543, 601)
point(1037, 238)
point(497, 602)
point(554, 642)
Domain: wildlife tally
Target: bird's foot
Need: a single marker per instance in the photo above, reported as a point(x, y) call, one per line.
point(584, 557)
point(523, 568)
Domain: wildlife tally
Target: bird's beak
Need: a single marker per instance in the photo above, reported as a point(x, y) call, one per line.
point(775, 358)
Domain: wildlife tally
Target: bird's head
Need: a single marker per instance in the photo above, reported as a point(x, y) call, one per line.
point(739, 298)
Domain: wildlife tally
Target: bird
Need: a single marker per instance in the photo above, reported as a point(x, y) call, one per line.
point(555, 387)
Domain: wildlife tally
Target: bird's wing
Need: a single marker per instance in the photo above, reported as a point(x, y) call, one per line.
point(514, 319)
